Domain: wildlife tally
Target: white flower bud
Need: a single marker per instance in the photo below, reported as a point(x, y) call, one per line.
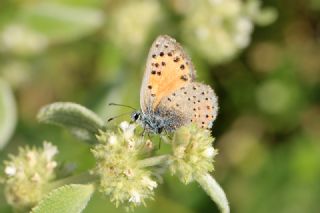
point(49, 150)
point(10, 170)
point(31, 156)
point(128, 129)
point(112, 140)
point(135, 197)
point(209, 152)
point(149, 144)
point(149, 183)
point(51, 165)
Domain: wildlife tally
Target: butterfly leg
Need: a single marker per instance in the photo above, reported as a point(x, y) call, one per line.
point(143, 133)
point(166, 137)
point(159, 147)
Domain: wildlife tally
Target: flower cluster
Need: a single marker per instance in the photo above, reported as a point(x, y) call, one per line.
point(192, 153)
point(27, 174)
point(219, 29)
point(21, 40)
point(130, 29)
point(117, 156)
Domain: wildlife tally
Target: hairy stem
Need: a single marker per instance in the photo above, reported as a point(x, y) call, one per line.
point(83, 178)
point(214, 190)
point(154, 161)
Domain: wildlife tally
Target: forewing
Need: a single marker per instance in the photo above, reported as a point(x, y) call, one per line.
point(195, 102)
point(168, 68)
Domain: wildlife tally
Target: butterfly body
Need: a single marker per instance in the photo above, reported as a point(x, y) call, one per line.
point(169, 97)
point(159, 121)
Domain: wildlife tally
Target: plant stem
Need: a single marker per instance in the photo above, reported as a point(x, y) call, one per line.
point(214, 190)
point(154, 161)
point(83, 178)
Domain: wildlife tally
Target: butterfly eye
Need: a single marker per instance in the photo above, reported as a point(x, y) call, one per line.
point(135, 116)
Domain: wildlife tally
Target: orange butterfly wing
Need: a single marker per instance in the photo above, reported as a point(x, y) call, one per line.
point(168, 69)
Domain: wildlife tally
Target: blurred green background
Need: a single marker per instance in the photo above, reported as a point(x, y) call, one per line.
point(262, 59)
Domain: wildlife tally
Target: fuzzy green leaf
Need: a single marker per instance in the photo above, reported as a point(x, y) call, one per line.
point(82, 122)
point(66, 199)
point(7, 113)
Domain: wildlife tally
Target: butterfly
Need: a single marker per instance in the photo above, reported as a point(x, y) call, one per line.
point(169, 96)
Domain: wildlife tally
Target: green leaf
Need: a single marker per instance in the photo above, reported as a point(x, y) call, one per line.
point(7, 113)
point(82, 122)
point(60, 22)
point(66, 199)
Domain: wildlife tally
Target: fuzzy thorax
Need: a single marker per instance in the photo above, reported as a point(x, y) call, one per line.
point(159, 121)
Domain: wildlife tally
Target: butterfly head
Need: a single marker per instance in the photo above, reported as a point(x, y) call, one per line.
point(136, 116)
point(150, 122)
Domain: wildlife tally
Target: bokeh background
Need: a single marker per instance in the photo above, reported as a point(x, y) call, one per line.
point(261, 57)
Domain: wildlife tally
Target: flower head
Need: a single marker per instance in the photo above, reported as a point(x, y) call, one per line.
point(192, 153)
point(224, 26)
point(21, 40)
point(129, 29)
point(117, 158)
point(27, 173)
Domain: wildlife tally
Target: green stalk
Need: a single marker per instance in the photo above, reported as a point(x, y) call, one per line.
point(83, 178)
point(214, 190)
point(154, 161)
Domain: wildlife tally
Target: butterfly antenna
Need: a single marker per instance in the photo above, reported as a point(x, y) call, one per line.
point(114, 104)
point(112, 118)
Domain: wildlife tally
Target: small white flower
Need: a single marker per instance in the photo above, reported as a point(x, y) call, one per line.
point(124, 125)
point(32, 158)
point(51, 165)
point(180, 151)
point(10, 170)
point(131, 145)
point(149, 144)
point(149, 183)
point(135, 197)
point(128, 129)
point(112, 140)
point(49, 150)
point(244, 24)
point(244, 28)
point(209, 152)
